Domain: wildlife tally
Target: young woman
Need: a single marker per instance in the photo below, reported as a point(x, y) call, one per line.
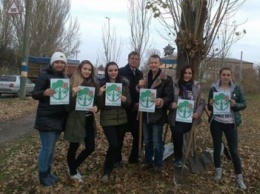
point(184, 88)
point(80, 127)
point(227, 123)
point(50, 119)
point(113, 119)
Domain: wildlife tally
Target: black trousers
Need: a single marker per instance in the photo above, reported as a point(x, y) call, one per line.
point(73, 161)
point(133, 126)
point(115, 138)
point(230, 131)
point(178, 130)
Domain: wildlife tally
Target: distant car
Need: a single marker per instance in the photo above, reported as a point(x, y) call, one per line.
point(10, 84)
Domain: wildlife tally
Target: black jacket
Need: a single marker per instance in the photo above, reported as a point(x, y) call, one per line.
point(48, 117)
point(133, 82)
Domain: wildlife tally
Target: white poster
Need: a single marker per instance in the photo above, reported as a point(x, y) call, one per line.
point(221, 105)
point(113, 94)
point(146, 100)
point(185, 110)
point(85, 98)
point(62, 91)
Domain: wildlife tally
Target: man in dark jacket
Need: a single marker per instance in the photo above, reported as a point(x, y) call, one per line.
point(153, 121)
point(50, 119)
point(133, 75)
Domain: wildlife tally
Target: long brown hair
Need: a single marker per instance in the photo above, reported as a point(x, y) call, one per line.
point(77, 79)
point(181, 80)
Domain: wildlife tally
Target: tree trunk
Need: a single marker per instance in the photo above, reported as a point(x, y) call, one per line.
point(190, 44)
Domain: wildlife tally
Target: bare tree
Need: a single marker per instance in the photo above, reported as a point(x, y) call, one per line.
point(195, 24)
point(227, 36)
point(7, 55)
point(51, 27)
point(111, 50)
point(139, 21)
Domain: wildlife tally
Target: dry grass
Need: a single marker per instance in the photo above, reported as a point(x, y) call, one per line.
point(12, 108)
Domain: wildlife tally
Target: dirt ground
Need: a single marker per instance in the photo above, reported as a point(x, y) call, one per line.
point(12, 129)
point(16, 118)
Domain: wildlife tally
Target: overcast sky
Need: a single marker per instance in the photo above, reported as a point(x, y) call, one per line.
point(92, 14)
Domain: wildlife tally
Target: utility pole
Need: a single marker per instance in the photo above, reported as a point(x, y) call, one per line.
point(26, 48)
point(240, 73)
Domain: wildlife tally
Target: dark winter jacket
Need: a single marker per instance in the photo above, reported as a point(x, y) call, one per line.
point(236, 94)
point(114, 115)
point(164, 90)
point(197, 93)
point(75, 130)
point(133, 81)
point(48, 117)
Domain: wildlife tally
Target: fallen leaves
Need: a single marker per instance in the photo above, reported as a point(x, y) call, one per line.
point(12, 108)
point(18, 165)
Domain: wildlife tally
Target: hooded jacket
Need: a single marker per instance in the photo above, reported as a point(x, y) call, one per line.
point(236, 94)
point(48, 117)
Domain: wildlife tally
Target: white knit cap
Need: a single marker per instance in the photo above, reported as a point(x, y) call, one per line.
point(58, 56)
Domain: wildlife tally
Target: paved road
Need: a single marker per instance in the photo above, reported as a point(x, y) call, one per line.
point(9, 130)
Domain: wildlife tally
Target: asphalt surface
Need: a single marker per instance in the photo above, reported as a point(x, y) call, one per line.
point(13, 129)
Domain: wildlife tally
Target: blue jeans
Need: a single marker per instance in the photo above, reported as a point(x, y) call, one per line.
point(153, 143)
point(48, 142)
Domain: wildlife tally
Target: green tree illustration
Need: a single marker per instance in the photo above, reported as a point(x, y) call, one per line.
point(61, 88)
point(221, 101)
point(185, 108)
point(147, 98)
point(114, 92)
point(85, 97)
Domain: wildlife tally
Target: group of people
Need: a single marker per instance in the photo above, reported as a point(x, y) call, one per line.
point(80, 127)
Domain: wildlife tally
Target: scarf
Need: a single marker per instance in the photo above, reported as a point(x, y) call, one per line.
point(186, 90)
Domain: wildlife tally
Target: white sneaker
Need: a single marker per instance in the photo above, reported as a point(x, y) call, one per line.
point(78, 175)
point(240, 182)
point(105, 178)
point(218, 174)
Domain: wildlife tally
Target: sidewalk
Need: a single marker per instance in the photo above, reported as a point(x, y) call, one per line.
point(12, 129)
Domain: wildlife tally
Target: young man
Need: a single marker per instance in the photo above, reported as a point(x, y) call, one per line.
point(133, 75)
point(153, 122)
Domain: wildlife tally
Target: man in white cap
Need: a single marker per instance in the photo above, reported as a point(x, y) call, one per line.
point(50, 119)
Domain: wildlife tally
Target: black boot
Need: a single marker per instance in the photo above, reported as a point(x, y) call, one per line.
point(53, 177)
point(45, 179)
